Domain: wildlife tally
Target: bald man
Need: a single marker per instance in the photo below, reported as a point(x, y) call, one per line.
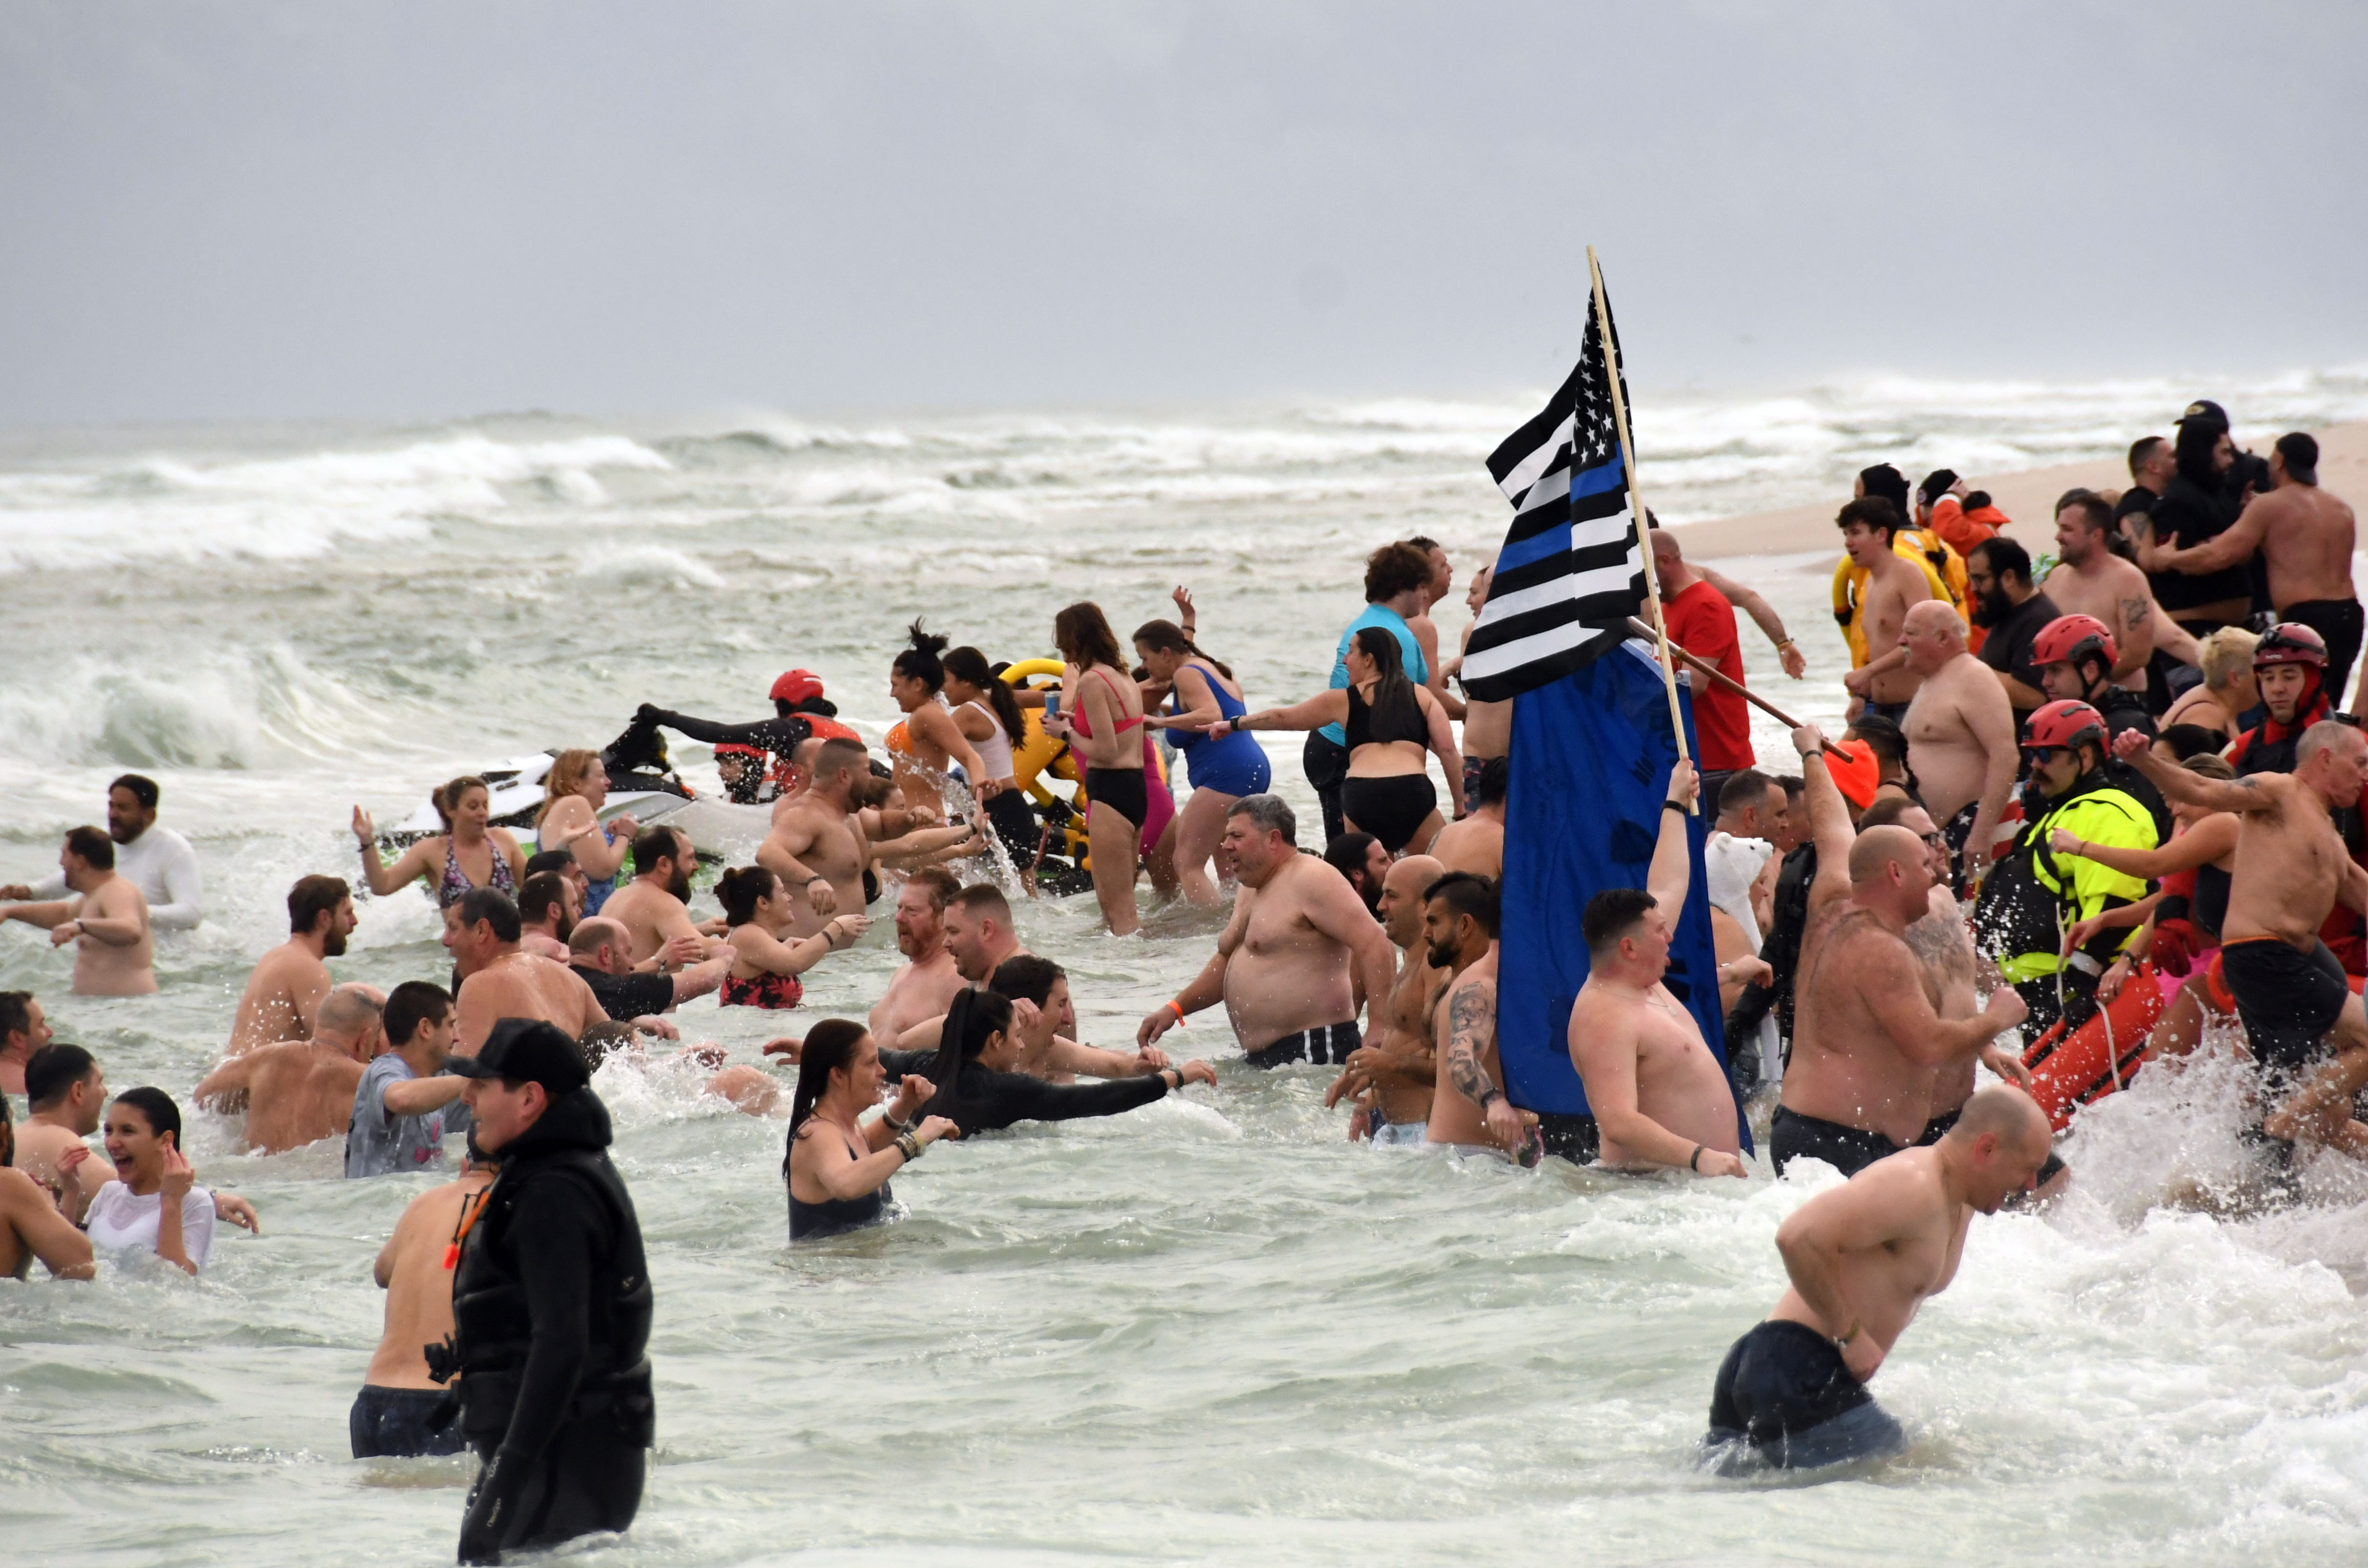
point(1868, 1036)
point(298, 1092)
point(1960, 732)
point(1393, 1074)
point(1861, 1258)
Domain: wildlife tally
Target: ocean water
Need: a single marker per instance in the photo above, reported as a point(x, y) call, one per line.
point(1211, 1331)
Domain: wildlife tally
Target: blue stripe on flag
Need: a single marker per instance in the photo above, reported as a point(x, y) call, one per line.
point(1537, 547)
point(1596, 481)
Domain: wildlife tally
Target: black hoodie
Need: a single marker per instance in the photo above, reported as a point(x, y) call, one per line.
point(2197, 506)
point(551, 1300)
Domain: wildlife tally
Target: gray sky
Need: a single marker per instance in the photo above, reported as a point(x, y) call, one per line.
point(249, 210)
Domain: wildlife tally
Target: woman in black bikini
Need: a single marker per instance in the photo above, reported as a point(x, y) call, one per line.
point(837, 1169)
point(765, 969)
point(1391, 723)
point(1101, 718)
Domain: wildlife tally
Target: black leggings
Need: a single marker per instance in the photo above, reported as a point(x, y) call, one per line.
point(1015, 823)
point(1392, 808)
point(588, 1479)
point(1122, 790)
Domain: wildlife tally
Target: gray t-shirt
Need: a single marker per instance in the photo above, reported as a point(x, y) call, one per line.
point(378, 1145)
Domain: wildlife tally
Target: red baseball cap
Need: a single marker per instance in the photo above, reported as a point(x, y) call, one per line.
point(796, 686)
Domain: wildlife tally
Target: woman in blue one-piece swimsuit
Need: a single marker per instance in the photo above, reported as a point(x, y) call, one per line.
point(1222, 771)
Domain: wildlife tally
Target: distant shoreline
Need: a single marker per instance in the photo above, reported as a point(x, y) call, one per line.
point(2028, 497)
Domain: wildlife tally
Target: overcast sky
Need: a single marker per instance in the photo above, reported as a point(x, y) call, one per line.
point(429, 210)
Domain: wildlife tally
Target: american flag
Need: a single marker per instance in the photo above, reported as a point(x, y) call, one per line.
point(1570, 573)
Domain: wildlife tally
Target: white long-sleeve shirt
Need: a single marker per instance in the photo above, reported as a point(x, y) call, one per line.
point(161, 864)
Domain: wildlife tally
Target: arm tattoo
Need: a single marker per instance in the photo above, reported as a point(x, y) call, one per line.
point(2136, 612)
point(1470, 1028)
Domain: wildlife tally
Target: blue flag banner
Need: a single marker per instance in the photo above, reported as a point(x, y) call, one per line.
point(1590, 768)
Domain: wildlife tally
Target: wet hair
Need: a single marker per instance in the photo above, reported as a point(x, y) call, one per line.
point(1394, 702)
point(410, 1005)
point(1792, 786)
point(2297, 446)
point(829, 1047)
point(1936, 484)
point(653, 845)
point(1466, 893)
point(493, 906)
point(740, 889)
point(1495, 774)
point(1392, 570)
point(143, 789)
point(565, 778)
point(1083, 635)
point(446, 797)
point(1874, 512)
point(1884, 483)
point(975, 1016)
point(970, 667)
point(16, 1013)
point(838, 753)
point(870, 791)
point(1612, 914)
point(601, 1041)
point(920, 660)
point(1166, 637)
point(2091, 507)
point(2198, 438)
point(1269, 812)
point(156, 1108)
point(985, 900)
point(2209, 764)
point(1744, 788)
point(52, 1071)
point(942, 886)
point(544, 860)
point(1024, 977)
point(1883, 738)
point(312, 897)
point(541, 896)
point(2225, 652)
point(2142, 452)
point(2006, 558)
point(93, 845)
point(1347, 855)
point(2187, 740)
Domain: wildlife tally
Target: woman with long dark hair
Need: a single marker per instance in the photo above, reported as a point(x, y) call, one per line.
point(154, 1203)
point(1222, 771)
point(979, 1043)
point(933, 741)
point(2197, 506)
point(988, 715)
point(836, 1166)
point(471, 854)
point(1391, 723)
point(758, 914)
point(1101, 717)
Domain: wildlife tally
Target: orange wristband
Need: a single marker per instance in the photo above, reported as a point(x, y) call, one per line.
point(1179, 1008)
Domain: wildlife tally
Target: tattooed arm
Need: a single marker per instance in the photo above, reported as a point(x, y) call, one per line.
point(1471, 1035)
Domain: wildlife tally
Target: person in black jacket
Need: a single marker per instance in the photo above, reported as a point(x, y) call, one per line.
point(2202, 498)
point(978, 1043)
point(550, 1306)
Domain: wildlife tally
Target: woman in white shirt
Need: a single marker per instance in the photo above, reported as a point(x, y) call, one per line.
point(154, 1203)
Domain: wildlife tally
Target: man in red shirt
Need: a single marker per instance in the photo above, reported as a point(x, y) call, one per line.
point(1702, 621)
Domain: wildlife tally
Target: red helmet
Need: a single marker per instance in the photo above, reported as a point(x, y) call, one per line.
point(2068, 639)
point(2290, 642)
point(796, 686)
point(2062, 722)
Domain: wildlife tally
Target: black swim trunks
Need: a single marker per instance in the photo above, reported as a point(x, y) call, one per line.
point(1849, 1150)
point(1895, 712)
point(2288, 1000)
point(403, 1423)
point(1784, 1399)
point(1330, 1043)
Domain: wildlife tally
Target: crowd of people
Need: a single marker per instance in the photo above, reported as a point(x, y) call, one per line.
point(2083, 808)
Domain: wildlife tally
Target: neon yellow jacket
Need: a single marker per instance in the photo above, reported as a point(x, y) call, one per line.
point(2080, 887)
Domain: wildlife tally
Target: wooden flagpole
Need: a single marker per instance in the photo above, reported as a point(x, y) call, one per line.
point(1636, 508)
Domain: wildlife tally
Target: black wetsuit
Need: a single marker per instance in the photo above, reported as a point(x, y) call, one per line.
point(778, 735)
point(552, 1311)
point(981, 1099)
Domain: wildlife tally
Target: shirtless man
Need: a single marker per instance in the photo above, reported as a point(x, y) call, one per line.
point(283, 995)
point(389, 1416)
point(107, 919)
point(1284, 964)
point(1395, 1073)
point(298, 1092)
point(1469, 1112)
point(30, 1225)
point(978, 932)
point(1475, 843)
point(1867, 1033)
point(1862, 1256)
point(1658, 1095)
point(1961, 736)
point(1894, 583)
point(926, 985)
point(66, 1094)
point(549, 906)
point(2290, 868)
point(817, 846)
point(2305, 535)
point(651, 907)
point(498, 982)
point(24, 1029)
point(2090, 580)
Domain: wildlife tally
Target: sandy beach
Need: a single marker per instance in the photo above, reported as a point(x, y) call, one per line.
point(2028, 497)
